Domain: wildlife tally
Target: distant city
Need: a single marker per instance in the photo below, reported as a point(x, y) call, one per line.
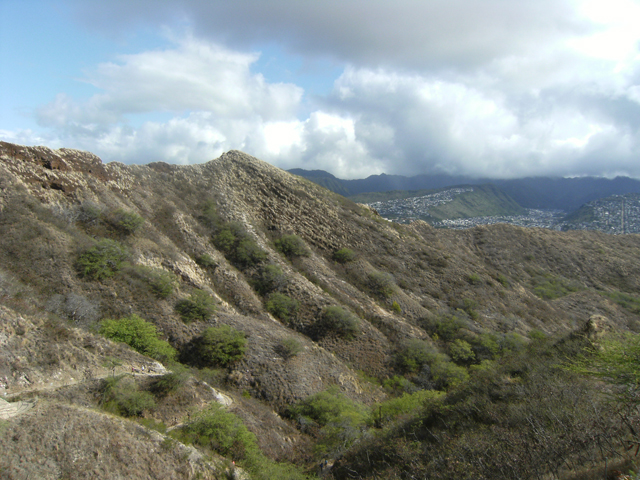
point(617, 214)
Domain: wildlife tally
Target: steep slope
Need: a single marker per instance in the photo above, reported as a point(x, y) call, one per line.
point(247, 235)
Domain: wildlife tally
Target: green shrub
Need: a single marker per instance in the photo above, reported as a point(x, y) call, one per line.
point(124, 221)
point(225, 241)
point(413, 354)
point(292, 246)
point(448, 374)
point(445, 327)
point(199, 306)
point(169, 383)
point(159, 280)
point(288, 347)
point(537, 335)
point(153, 424)
point(381, 284)
point(224, 433)
point(282, 306)
point(503, 280)
point(237, 245)
point(395, 306)
point(270, 279)
point(342, 420)
point(209, 216)
point(122, 397)
point(340, 322)
point(248, 253)
point(221, 431)
point(220, 346)
point(407, 404)
point(139, 335)
point(102, 260)
point(549, 287)
point(344, 255)
point(474, 279)
point(206, 261)
point(398, 385)
point(461, 352)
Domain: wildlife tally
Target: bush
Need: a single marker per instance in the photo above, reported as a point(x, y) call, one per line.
point(461, 352)
point(124, 221)
point(282, 306)
point(474, 279)
point(548, 287)
point(169, 383)
point(448, 374)
point(210, 217)
point(413, 354)
point(139, 335)
point(199, 306)
point(341, 419)
point(407, 404)
point(381, 284)
point(292, 246)
point(238, 246)
point(445, 327)
point(102, 260)
point(271, 278)
point(340, 322)
point(160, 281)
point(395, 306)
point(224, 433)
point(344, 255)
point(248, 253)
point(398, 385)
point(219, 346)
point(121, 396)
point(221, 431)
point(289, 347)
point(206, 261)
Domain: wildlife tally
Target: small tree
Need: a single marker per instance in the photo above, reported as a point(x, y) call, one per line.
point(289, 347)
point(461, 352)
point(340, 321)
point(199, 306)
point(122, 396)
point(292, 246)
point(382, 284)
point(139, 335)
point(102, 260)
point(248, 253)
point(282, 306)
point(413, 354)
point(124, 221)
point(206, 261)
point(271, 279)
point(344, 255)
point(221, 346)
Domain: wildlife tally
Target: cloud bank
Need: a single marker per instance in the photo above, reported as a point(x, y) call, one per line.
point(496, 89)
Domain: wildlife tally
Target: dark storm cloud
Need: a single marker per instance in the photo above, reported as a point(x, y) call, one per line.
point(412, 34)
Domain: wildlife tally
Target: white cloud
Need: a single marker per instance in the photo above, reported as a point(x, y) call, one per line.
point(495, 88)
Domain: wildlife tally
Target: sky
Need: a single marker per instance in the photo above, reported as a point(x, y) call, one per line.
point(490, 88)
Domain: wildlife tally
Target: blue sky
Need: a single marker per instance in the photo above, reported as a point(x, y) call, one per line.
point(357, 87)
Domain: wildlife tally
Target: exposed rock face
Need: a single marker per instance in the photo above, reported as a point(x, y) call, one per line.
point(54, 205)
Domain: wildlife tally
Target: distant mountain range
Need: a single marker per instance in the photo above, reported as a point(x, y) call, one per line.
point(566, 194)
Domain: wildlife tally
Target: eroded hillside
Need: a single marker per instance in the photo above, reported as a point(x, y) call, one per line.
point(326, 292)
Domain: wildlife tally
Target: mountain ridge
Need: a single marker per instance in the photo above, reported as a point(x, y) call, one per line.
point(551, 193)
point(219, 230)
